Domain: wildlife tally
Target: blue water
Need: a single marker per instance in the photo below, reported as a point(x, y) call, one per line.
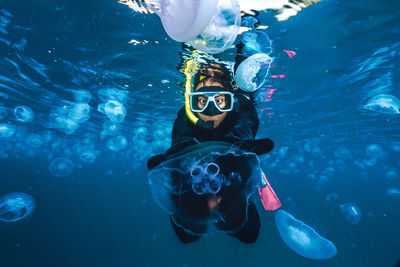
point(102, 213)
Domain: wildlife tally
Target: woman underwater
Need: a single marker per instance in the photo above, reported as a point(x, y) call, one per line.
point(215, 111)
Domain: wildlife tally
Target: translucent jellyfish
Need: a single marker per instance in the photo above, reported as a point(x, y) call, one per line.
point(188, 184)
point(282, 151)
point(343, 153)
point(110, 128)
point(331, 197)
point(221, 30)
point(184, 21)
point(375, 151)
point(252, 72)
point(63, 123)
point(61, 167)
point(7, 130)
point(303, 239)
point(82, 96)
point(255, 42)
point(352, 212)
point(16, 206)
point(114, 110)
point(89, 156)
point(23, 113)
point(392, 174)
point(117, 143)
point(384, 103)
point(393, 191)
point(113, 94)
point(79, 112)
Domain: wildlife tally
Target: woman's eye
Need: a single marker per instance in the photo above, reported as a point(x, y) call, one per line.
point(203, 101)
point(218, 100)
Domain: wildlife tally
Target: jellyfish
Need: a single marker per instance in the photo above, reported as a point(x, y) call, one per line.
point(384, 103)
point(88, 156)
point(23, 113)
point(252, 72)
point(393, 191)
point(352, 212)
point(255, 42)
point(210, 26)
point(110, 128)
point(7, 130)
point(331, 197)
point(16, 206)
point(303, 239)
point(79, 112)
point(114, 110)
point(82, 96)
point(61, 167)
point(117, 143)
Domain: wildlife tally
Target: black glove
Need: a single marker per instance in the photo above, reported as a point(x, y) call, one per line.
point(260, 146)
point(156, 160)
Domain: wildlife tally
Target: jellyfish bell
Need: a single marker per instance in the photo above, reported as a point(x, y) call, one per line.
point(210, 26)
point(16, 206)
point(252, 72)
point(201, 176)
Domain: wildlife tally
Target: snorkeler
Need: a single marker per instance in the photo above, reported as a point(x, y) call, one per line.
point(215, 111)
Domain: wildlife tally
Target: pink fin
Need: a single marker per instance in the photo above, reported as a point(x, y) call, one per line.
point(268, 197)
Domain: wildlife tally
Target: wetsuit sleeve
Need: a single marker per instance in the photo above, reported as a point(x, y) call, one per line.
point(246, 123)
point(182, 133)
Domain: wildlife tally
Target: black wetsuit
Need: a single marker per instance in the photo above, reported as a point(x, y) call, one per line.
point(239, 128)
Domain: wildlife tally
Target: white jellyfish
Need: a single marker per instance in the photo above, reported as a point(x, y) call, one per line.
point(82, 96)
point(384, 103)
point(79, 112)
point(303, 239)
point(114, 110)
point(117, 143)
point(252, 72)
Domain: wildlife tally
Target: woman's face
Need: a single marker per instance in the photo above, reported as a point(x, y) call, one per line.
point(219, 99)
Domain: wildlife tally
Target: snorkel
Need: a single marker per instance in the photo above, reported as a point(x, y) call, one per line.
point(190, 69)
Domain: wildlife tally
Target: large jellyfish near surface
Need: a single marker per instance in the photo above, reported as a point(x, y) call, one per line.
point(61, 167)
point(210, 26)
point(303, 239)
point(252, 72)
point(384, 103)
point(352, 212)
point(206, 188)
point(15, 206)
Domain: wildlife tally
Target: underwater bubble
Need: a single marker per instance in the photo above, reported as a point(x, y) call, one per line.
point(252, 72)
point(16, 206)
point(23, 113)
point(352, 212)
point(79, 112)
point(117, 143)
point(82, 96)
point(114, 110)
point(61, 167)
point(7, 130)
point(343, 153)
point(303, 239)
point(393, 191)
point(384, 103)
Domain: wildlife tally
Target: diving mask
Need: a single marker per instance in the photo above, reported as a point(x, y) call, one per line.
point(211, 102)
